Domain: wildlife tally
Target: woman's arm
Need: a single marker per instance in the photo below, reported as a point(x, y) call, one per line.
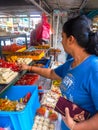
point(45, 72)
point(90, 124)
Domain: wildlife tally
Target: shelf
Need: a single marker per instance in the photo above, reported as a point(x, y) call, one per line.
point(4, 38)
point(12, 36)
point(4, 87)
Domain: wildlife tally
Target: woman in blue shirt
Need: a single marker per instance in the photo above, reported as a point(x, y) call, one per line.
point(79, 74)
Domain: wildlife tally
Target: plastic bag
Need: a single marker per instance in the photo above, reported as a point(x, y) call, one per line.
point(43, 29)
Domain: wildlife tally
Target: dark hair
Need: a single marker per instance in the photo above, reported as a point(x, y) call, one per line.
point(79, 27)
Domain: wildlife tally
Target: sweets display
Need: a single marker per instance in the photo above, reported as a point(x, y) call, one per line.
point(24, 60)
point(9, 105)
point(50, 99)
point(7, 75)
point(34, 55)
point(42, 47)
point(56, 89)
point(42, 123)
point(18, 60)
point(42, 63)
point(12, 66)
point(48, 112)
point(46, 117)
point(12, 48)
point(27, 79)
point(38, 65)
point(54, 51)
point(56, 82)
point(41, 111)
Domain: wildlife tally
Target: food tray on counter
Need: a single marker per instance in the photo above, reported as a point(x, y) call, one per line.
point(23, 119)
point(35, 55)
point(21, 50)
point(43, 63)
point(10, 78)
point(10, 52)
point(7, 75)
point(42, 47)
point(28, 79)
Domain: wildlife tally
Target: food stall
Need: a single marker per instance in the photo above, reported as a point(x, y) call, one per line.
point(28, 100)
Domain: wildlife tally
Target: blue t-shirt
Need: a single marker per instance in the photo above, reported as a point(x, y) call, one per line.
point(80, 84)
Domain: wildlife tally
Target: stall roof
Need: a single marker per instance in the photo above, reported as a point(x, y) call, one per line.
point(17, 7)
point(29, 7)
point(73, 4)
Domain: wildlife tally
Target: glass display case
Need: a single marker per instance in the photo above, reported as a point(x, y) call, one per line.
point(6, 40)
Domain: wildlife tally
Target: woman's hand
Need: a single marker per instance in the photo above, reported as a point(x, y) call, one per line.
point(24, 67)
point(79, 117)
point(68, 119)
point(71, 122)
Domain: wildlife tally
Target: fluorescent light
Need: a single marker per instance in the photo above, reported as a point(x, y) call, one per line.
point(21, 15)
point(35, 15)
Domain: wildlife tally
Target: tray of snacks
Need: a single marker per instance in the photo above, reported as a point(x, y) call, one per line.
point(24, 60)
point(54, 51)
point(12, 66)
point(19, 60)
point(42, 63)
point(46, 119)
point(27, 79)
point(42, 47)
point(9, 49)
point(48, 113)
point(50, 99)
point(35, 54)
point(42, 123)
point(7, 75)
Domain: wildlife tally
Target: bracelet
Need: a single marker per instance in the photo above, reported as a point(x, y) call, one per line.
point(73, 126)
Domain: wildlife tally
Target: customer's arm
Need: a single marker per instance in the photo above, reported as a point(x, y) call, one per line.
point(90, 124)
point(45, 72)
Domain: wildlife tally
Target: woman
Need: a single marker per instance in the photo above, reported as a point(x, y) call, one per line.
point(79, 74)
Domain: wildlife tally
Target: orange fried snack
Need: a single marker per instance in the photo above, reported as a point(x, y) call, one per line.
point(41, 111)
point(53, 116)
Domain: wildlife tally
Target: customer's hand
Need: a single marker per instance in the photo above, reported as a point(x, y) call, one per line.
point(79, 117)
point(23, 66)
point(68, 119)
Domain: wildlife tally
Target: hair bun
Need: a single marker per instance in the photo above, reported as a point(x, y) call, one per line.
point(91, 33)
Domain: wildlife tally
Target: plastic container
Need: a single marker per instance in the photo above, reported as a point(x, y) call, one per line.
point(28, 79)
point(24, 119)
point(45, 62)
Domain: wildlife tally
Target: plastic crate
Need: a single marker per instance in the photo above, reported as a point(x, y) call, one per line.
point(24, 119)
point(45, 62)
